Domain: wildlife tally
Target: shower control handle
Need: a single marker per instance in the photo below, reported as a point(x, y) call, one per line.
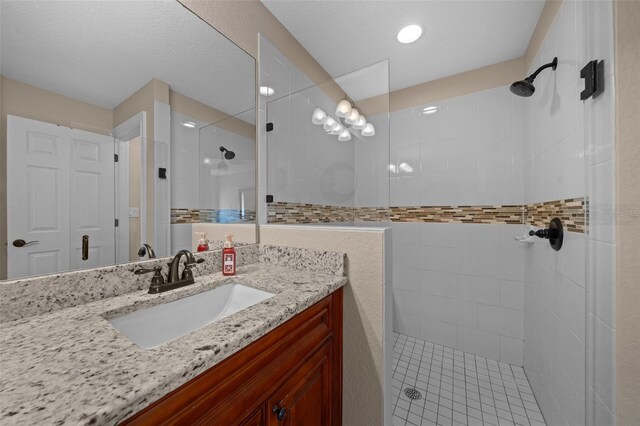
point(541, 233)
point(555, 233)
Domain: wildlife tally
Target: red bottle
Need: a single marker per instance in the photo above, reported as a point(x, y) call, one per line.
point(228, 257)
point(203, 243)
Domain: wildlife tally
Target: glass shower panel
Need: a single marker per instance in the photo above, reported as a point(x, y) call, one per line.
point(227, 170)
point(326, 169)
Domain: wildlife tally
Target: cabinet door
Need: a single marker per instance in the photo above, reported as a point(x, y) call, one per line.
point(255, 419)
point(304, 399)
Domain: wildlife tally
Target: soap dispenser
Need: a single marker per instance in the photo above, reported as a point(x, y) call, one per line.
point(228, 257)
point(203, 242)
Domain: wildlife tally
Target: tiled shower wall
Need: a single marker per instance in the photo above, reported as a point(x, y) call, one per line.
point(460, 285)
point(569, 313)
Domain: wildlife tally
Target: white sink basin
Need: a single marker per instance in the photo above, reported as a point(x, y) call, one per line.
point(152, 327)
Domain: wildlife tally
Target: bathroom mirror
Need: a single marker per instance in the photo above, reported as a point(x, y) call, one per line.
point(113, 116)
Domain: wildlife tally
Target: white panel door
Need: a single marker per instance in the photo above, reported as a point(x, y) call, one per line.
point(92, 199)
point(37, 197)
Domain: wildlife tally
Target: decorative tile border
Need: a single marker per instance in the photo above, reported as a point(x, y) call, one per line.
point(571, 211)
point(297, 213)
point(510, 214)
point(179, 216)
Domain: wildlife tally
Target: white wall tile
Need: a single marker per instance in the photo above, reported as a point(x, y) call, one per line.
point(438, 332)
point(456, 311)
point(511, 350)
point(478, 342)
point(504, 321)
point(439, 282)
point(478, 289)
point(512, 294)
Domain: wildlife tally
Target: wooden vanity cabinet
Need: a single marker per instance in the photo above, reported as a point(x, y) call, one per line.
point(291, 376)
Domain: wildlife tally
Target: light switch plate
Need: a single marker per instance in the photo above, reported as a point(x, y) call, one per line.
point(134, 212)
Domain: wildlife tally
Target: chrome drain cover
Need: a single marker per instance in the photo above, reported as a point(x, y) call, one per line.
point(413, 393)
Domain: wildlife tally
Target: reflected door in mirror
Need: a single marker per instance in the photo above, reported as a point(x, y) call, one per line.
point(60, 188)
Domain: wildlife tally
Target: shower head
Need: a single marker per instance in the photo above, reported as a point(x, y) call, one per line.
point(525, 88)
point(228, 155)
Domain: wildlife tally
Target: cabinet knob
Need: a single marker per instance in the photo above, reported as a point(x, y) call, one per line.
point(281, 412)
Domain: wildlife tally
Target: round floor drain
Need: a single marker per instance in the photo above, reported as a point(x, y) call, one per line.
point(413, 393)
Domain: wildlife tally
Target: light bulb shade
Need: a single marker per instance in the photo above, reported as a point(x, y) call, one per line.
point(353, 117)
point(359, 125)
point(343, 109)
point(368, 130)
point(337, 129)
point(329, 123)
point(318, 117)
point(344, 136)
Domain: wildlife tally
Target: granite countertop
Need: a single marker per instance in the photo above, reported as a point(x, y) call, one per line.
point(71, 366)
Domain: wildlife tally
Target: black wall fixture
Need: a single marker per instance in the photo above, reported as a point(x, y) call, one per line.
point(554, 233)
point(593, 74)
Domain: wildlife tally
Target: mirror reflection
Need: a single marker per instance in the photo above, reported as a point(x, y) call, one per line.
point(113, 119)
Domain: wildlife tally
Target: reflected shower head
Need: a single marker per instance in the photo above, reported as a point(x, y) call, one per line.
point(228, 155)
point(525, 88)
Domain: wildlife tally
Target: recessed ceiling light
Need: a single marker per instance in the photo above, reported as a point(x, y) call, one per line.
point(430, 110)
point(409, 34)
point(266, 91)
point(189, 124)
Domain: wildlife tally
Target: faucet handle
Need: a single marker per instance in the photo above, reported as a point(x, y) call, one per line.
point(157, 278)
point(187, 273)
point(141, 271)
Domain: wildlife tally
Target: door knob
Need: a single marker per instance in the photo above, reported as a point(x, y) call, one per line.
point(23, 243)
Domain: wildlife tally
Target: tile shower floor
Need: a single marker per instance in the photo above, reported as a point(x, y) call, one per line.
point(458, 388)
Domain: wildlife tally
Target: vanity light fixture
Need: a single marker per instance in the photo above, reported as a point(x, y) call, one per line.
point(343, 110)
point(409, 34)
point(318, 117)
point(344, 136)
point(353, 117)
point(189, 124)
point(337, 129)
point(359, 125)
point(328, 124)
point(267, 91)
point(368, 130)
point(430, 110)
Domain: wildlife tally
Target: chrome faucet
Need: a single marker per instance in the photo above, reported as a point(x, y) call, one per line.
point(144, 249)
point(174, 279)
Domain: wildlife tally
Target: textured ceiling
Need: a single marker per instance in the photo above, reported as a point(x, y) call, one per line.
point(459, 35)
point(103, 51)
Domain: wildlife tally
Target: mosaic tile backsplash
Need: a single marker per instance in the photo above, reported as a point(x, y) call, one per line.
point(179, 215)
point(571, 211)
